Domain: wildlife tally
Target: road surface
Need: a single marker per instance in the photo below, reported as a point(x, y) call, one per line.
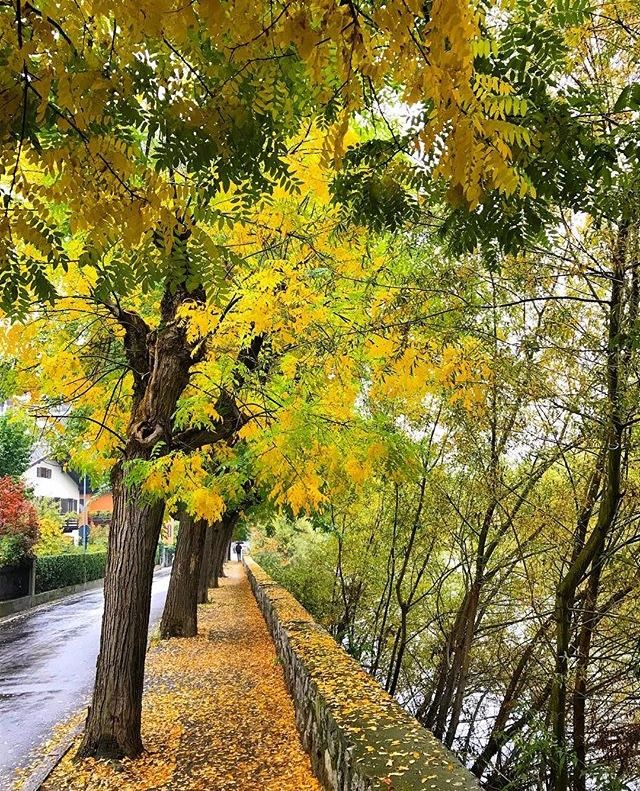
point(47, 667)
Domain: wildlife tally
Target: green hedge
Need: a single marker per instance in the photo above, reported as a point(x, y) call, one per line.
point(58, 571)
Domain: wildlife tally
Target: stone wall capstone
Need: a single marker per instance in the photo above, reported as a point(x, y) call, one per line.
point(358, 737)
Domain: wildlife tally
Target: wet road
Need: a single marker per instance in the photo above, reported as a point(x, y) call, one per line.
point(47, 666)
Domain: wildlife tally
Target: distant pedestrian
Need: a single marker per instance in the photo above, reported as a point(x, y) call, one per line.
point(238, 549)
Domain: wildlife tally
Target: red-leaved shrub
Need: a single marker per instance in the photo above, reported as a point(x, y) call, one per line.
point(18, 522)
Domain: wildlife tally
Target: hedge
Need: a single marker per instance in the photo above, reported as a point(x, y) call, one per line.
point(58, 571)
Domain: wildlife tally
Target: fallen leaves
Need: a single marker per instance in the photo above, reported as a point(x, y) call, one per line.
point(388, 746)
point(216, 714)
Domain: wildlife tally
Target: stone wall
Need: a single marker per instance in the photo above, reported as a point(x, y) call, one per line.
point(358, 737)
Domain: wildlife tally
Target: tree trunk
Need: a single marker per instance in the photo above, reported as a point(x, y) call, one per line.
point(113, 721)
point(498, 735)
point(221, 545)
point(214, 561)
point(222, 553)
point(180, 615)
point(591, 549)
point(160, 361)
point(206, 563)
point(580, 690)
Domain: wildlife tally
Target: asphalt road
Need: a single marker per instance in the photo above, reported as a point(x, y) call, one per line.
point(47, 667)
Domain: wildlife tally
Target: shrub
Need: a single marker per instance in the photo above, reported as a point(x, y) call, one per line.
point(98, 537)
point(18, 523)
point(59, 571)
point(302, 560)
point(52, 539)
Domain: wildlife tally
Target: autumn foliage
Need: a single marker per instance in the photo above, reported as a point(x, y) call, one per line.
point(373, 263)
point(216, 712)
point(18, 522)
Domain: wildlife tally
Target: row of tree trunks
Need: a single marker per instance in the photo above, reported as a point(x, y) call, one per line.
point(201, 550)
point(207, 562)
point(221, 543)
point(180, 615)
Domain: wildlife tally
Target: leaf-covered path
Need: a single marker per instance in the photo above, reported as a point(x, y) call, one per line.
point(216, 715)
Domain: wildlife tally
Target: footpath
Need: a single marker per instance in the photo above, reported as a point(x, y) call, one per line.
point(216, 715)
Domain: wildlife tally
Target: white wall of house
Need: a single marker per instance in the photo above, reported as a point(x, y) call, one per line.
point(59, 484)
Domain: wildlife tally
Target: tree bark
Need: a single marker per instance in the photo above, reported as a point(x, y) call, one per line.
point(588, 551)
point(180, 615)
point(221, 545)
point(214, 561)
point(160, 361)
point(580, 688)
point(113, 721)
point(206, 563)
point(498, 735)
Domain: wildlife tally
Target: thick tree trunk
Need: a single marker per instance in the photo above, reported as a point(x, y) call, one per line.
point(160, 361)
point(180, 615)
point(113, 722)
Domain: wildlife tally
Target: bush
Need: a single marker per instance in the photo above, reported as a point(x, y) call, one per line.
point(59, 571)
point(53, 540)
point(301, 559)
point(98, 537)
point(18, 523)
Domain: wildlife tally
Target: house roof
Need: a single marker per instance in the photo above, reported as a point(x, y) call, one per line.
point(42, 453)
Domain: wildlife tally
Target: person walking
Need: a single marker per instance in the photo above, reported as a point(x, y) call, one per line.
point(238, 549)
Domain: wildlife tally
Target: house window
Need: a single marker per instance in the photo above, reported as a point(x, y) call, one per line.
point(68, 506)
point(43, 472)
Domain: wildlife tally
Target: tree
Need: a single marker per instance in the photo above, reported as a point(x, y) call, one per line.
point(205, 120)
point(222, 90)
point(457, 615)
point(179, 617)
point(217, 541)
point(160, 216)
point(160, 385)
point(18, 523)
point(16, 442)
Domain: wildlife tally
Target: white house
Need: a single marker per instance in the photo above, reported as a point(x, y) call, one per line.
point(47, 478)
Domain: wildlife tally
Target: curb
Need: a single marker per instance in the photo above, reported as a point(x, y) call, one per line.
point(8, 614)
point(49, 762)
point(12, 607)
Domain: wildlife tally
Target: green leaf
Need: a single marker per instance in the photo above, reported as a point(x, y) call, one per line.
point(629, 98)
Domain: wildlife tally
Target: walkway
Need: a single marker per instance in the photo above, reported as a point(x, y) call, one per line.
point(217, 715)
